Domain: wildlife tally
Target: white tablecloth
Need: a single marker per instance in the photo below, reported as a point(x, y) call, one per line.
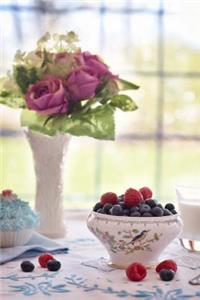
point(85, 275)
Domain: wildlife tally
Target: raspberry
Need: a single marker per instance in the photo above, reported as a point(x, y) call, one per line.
point(167, 264)
point(44, 258)
point(146, 192)
point(132, 197)
point(136, 272)
point(7, 193)
point(109, 198)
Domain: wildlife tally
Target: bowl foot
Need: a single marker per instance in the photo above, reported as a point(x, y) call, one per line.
point(116, 266)
point(122, 267)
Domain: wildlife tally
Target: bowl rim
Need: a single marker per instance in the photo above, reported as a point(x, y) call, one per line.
point(162, 219)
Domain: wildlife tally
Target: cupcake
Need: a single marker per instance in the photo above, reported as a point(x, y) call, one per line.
point(17, 220)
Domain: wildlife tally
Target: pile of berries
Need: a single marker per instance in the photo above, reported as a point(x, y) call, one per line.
point(166, 270)
point(133, 203)
point(46, 260)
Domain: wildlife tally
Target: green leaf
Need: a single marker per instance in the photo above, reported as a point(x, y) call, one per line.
point(10, 94)
point(24, 77)
point(126, 85)
point(33, 120)
point(12, 101)
point(97, 123)
point(123, 102)
point(106, 90)
point(33, 76)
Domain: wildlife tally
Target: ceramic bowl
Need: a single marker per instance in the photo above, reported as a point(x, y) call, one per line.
point(129, 239)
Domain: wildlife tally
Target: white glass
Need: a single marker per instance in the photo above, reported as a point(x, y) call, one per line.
point(189, 206)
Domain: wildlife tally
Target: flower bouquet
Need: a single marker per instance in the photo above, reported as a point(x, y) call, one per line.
point(62, 91)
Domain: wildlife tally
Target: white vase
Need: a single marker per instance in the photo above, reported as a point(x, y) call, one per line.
point(49, 154)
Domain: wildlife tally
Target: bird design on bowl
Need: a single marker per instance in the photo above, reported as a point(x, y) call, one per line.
point(139, 237)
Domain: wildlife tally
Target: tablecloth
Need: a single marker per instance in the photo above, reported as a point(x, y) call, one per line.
point(35, 246)
point(86, 275)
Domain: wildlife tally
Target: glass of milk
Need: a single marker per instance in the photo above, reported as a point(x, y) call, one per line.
point(189, 207)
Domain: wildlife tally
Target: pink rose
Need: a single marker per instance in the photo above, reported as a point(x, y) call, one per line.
point(47, 97)
point(81, 85)
point(93, 65)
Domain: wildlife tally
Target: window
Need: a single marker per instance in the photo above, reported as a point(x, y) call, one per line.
point(148, 41)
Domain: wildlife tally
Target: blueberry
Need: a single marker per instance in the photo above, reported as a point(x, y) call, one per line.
point(100, 211)
point(142, 202)
point(116, 210)
point(107, 207)
point(152, 203)
point(121, 198)
point(167, 212)
point(166, 274)
point(27, 266)
point(53, 265)
point(126, 212)
point(170, 206)
point(147, 214)
point(160, 205)
point(97, 206)
point(134, 208)
point(122, 204)
point(157, 211)
point(135, 214)
point(144, 208)
point(174, 211)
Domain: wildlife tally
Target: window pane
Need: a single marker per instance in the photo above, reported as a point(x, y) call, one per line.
point(182, 32)
point(126, 34)
point(80, 172)
point(78, 4)
point(131, 43)
point(127, 164)
point(143, 120)
point(116, 5)
point(74, 20)
point(26, 22)
point(179, 166)
point(145, 4)
point(16, 170)
point(142, 48)
point(122, 165)
point(182, 106)
point(6, 51)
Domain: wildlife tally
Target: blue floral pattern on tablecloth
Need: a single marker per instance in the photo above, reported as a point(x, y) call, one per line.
point(94, 278)
point(48, 288)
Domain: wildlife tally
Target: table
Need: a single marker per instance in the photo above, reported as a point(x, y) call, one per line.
point(85, 275)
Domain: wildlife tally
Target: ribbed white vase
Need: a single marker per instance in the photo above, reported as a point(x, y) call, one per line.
point(49, 154)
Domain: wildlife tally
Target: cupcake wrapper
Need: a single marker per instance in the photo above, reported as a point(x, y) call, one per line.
point(15, 238)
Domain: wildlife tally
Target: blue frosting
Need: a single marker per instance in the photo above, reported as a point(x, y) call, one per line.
point(16, 214)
